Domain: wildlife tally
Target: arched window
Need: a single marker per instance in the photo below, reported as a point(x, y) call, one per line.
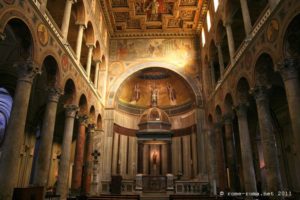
point(5, 108)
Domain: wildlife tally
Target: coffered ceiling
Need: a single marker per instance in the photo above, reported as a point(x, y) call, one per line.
point(134, 18)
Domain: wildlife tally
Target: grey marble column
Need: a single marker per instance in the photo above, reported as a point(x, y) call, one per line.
point(246, 150)
point(230, 153)
point(246, 17)
point(66, 18)
point(44, 154)
point(64, 164)
point(289, 72)
point(9, 161)
point(268, 139)
point(230, 40)
point(81, 28)
point(211, 157)
point(220, 160)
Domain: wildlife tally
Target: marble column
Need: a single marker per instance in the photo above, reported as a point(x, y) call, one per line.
point(64, 164)
point(81, 28)
point(108, 143)
point(268, 139)
point(44, 154)
point(79, 154)
point(211, 158)
point(89, 61)
point(246, 150)
point(220, 160)
point(212, 74)
point(97, 74)
point(88, 159)
point(221, 59)
point(164, 159)
point(230, 153)
point(169, 157)
point(289, 72)
point(66, 18)
point(140, 157)
point(9, 161)
point(201, 151)
point(230, 41)
point(246, 17)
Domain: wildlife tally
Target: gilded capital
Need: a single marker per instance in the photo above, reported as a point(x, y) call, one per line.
point(91, 128)
point(83, 120)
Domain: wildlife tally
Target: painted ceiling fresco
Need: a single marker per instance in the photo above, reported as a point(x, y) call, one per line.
point(147, 15)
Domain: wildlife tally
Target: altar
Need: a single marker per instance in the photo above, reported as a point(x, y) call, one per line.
point(154, 183)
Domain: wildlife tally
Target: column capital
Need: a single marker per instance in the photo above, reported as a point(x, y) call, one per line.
point(289, 68)
point(82, 25)
point(71, 110)
point(218, 125)
point(2, 36)
point(227, 23)
point(27, 70)
point(227, 118)
point(260, 92)
point(90, 46)
point(241, 110)
point(91, 128)
point(83, 119)
point(54, 93)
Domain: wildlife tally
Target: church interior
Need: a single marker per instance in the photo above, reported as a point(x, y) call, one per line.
point(149, 99)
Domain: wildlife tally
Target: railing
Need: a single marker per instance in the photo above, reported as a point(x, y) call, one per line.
point(191, 187)
point(127, 186)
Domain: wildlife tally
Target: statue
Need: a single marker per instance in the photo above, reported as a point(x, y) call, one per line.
point(172, 94)
point(154, 96)
point(154, 158)
point(136, 94)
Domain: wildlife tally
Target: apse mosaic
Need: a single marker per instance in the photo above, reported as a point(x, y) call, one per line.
point(167, 88)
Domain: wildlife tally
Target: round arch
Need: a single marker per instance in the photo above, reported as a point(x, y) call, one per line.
point(192, 83)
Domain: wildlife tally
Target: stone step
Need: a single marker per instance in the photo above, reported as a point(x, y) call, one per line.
point(154, 196)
